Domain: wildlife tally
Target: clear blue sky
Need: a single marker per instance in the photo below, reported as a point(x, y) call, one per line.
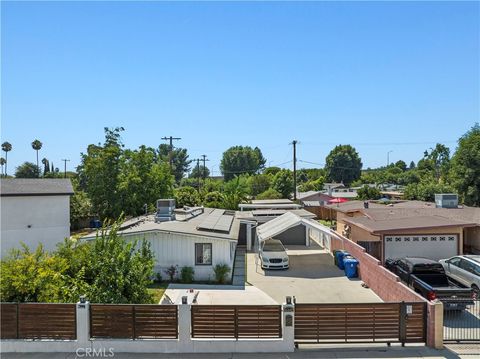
point(381, 76)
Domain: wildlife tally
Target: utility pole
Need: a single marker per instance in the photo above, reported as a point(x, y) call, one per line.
point(198, 175)
point(294, 143)
point(170, 139)
point(388, 157)
point(204, 158)
point(65, 167)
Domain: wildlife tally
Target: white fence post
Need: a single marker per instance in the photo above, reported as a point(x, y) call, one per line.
point(83, 324)
point(288, 325)
point(185, 344)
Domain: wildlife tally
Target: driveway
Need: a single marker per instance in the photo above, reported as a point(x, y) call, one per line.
point(311, 278)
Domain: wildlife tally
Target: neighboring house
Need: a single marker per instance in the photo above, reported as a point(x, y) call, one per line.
point(409, 228)
point(200, 238)
point(34, 211)
point(269, 204)
point(250, 220)
point(316, 197)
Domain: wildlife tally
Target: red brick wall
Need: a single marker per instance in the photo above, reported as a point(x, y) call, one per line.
point(383, 282)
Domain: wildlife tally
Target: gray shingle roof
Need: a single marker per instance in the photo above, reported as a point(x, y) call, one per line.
point(35, 187)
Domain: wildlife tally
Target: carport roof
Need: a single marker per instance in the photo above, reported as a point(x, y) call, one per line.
point(284, 222)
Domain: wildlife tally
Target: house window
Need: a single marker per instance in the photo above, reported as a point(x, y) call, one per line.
point(203, 253)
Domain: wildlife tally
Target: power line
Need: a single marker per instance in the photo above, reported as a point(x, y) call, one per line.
point(204, 158)
point(171, 139)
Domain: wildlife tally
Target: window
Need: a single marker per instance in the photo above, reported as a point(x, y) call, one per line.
point(203, 253)
point(454, 261)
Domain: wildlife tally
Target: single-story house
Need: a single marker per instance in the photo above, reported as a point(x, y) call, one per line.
point(200, 238)
point(34, 211)
point(269, 204)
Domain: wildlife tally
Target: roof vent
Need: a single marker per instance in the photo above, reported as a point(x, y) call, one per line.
point(446, 200)
point(165, 210)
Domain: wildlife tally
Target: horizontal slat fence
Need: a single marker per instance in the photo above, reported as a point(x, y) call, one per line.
point(38, 321)
point(236, 321)
point(125, 321)
point(368, 322)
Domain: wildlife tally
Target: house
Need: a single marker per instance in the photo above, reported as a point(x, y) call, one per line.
point(34, 211)
point(313, 198)
point(196, 237)
point(285, 204)
point(409, 228)
point(250, 220)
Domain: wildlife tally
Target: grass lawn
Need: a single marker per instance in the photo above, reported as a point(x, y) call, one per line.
point(157, 290)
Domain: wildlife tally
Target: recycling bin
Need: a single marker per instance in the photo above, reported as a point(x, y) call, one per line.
point(351, 267)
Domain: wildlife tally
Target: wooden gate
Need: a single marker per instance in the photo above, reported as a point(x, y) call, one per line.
point(360, 323)
point(236, 321)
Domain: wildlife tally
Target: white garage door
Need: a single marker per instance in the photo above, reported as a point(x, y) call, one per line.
point(427, 246)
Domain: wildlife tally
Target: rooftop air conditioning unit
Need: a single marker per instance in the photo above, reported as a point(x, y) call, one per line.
point(446, 200)
point(165, 210)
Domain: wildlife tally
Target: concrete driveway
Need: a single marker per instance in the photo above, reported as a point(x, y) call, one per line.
point(311, 278)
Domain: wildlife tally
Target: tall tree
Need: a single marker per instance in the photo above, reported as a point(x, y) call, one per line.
point(2, 163)
point(283, 183)
point(46, 166)
point(439, 159)
point(27, 170)
point(235, 192)
point(6, 147)
point(343, 164)
point(199, 171)
point(466, 167)
point(37, 146)
point(99, 174)
point(179, 158)
point(238, 160)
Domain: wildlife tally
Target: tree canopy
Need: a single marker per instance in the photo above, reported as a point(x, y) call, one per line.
point(343, 164)
point(238, 160)
point(27, 170)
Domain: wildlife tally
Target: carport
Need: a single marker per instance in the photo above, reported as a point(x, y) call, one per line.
point(290, 229)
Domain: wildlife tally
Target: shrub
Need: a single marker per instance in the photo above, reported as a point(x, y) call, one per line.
point(221, 271)
point(187, 274)
point(171, 272)
point(158, 277)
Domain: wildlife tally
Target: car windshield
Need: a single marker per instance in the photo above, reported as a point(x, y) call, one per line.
point(273, 247)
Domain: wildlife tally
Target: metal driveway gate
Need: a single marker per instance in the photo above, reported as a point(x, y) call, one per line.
point(360, 323)
point(462, 325)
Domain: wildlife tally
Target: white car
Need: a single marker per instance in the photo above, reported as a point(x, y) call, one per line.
point(273, 255)
point(464, 269)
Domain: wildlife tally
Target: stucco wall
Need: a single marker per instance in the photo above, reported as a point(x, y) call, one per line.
point(34, 220)
point(472, 240)
point(179, 249)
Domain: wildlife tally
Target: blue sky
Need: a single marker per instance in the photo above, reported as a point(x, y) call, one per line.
point(381, 76)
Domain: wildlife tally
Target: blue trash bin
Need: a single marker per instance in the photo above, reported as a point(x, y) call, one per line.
point(340, 256)
point(351, 267)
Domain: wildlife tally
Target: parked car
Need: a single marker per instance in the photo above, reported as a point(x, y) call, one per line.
point(273, 255)
point(428, 278)
point(464, 269)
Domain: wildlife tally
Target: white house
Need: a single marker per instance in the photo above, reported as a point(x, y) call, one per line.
point(34, 211)
point(199, 238)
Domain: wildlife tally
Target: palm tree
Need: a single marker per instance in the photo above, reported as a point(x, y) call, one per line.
point(7, 147)
point(37, 146)
point(2, 163)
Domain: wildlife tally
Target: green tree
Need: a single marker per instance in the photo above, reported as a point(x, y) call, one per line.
point(466, 167)
point(269, 194)
point(46, 166)
point(368, 192)
point(213, 199)
point(283, 183)
point(99, 174)
point(142, 180)
point(27, 170)
point(186, 196)
point(80, 206)
point(312, 185)
point(37, 146)
point(3, 162)
point(438, 159)
point(401, 164)
point(235, 192)
point(6, 147)
point(343, 164)
point(178, 158)
point(412, 165)
point(425, 191)
point(259, 183)
point(200, 171)
point(238, 160)
point(271, 171)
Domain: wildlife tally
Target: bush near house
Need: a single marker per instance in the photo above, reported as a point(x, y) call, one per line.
point(187, 274)
point(221, 271)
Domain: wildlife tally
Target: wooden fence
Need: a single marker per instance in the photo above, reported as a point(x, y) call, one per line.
point(126, 321)
point(38, 321)
point(236, 321)
point(368, 322)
